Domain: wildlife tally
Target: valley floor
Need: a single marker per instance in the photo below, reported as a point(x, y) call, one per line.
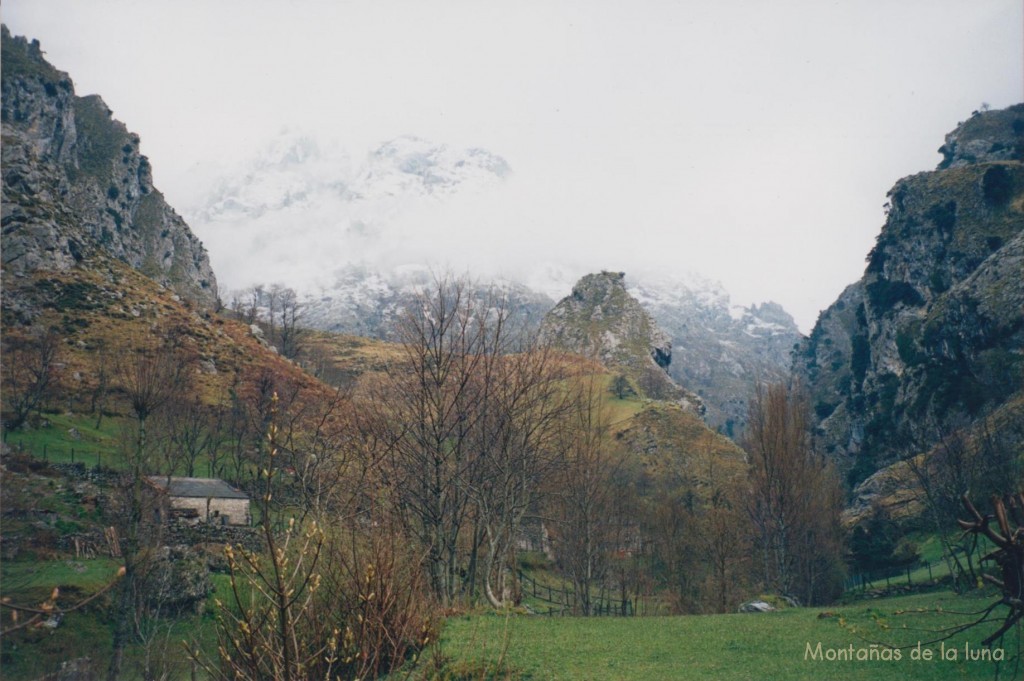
point(777, 646)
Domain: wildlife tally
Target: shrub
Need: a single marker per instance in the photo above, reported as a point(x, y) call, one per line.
point(997, 186)
point(885, 295)
point(943, 215)
point(860, 357)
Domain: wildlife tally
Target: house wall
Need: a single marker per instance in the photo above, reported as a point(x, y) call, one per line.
point(236, 510)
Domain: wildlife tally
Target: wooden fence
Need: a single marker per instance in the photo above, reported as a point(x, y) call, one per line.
point(565, 601)
point(895, 577)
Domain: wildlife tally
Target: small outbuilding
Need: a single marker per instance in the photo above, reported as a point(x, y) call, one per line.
point(199, 500)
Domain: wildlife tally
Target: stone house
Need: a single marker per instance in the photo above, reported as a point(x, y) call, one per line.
point(198, 500)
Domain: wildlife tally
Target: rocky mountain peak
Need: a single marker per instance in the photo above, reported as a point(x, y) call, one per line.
point(987, 136)
point(600, 319)
point(75, 182)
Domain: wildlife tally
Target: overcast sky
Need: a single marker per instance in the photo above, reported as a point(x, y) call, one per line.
point(752, 141)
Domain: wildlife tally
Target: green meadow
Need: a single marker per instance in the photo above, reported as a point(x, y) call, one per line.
point(734, 647)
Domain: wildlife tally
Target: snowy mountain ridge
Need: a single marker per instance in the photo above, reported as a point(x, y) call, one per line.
point(300, 209)
point(359, 241)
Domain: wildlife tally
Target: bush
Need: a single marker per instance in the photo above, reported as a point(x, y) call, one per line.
point(885, 295)
point(997, 186)
point(860, 357)
point(943, 215)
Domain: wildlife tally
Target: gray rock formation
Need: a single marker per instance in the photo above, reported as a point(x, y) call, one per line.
point(600, 319)
point(74, 182)
point(986, 137)
point(934, 332)
point(720, 351)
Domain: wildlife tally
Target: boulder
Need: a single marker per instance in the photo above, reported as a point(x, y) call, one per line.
point(756, 606)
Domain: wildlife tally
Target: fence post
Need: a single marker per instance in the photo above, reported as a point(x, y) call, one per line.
point(72, 455)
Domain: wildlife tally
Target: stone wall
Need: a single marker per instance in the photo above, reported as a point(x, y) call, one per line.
point(216, 511)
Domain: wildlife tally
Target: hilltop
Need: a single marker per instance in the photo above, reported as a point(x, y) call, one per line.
point(601, 320)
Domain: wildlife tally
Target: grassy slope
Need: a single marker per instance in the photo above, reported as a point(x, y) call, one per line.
point(108, 304)
point(722, 647)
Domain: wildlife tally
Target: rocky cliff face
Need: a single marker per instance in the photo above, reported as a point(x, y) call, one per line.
point(74, 182)
point(934, 331)
point(600, 319)
point(720, 351)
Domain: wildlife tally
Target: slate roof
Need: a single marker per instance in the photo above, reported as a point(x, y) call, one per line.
point(203, 488)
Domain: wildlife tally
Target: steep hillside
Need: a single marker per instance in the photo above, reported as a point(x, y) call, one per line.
point(94, 258)
point(674, 446)
point(75, 183)
point(101, 309)
point(933, 334)
point(602, 321)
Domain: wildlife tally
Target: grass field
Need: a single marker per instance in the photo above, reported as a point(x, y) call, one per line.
point(734, 647)
point(56, 444)
point(727, 647)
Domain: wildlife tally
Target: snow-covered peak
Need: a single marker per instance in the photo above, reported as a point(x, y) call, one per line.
point(410, 165)
point(679, 289)
point(300, 208)
point(290, 170)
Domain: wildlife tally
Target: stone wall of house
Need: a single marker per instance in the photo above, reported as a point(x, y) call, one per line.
point(213, 510)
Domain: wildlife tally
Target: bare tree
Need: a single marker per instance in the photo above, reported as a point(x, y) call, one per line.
point(102, 388)
point(582, 490)
point(428, 413)
point(1008, 555)
point(291, 314)
point(795, 498)
point(522, 400)
point(979, 459)
point(30, 368)
point(149, 379)
point(237, 435)
point(271, 299)
point(323, 453)
point(192, 430)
